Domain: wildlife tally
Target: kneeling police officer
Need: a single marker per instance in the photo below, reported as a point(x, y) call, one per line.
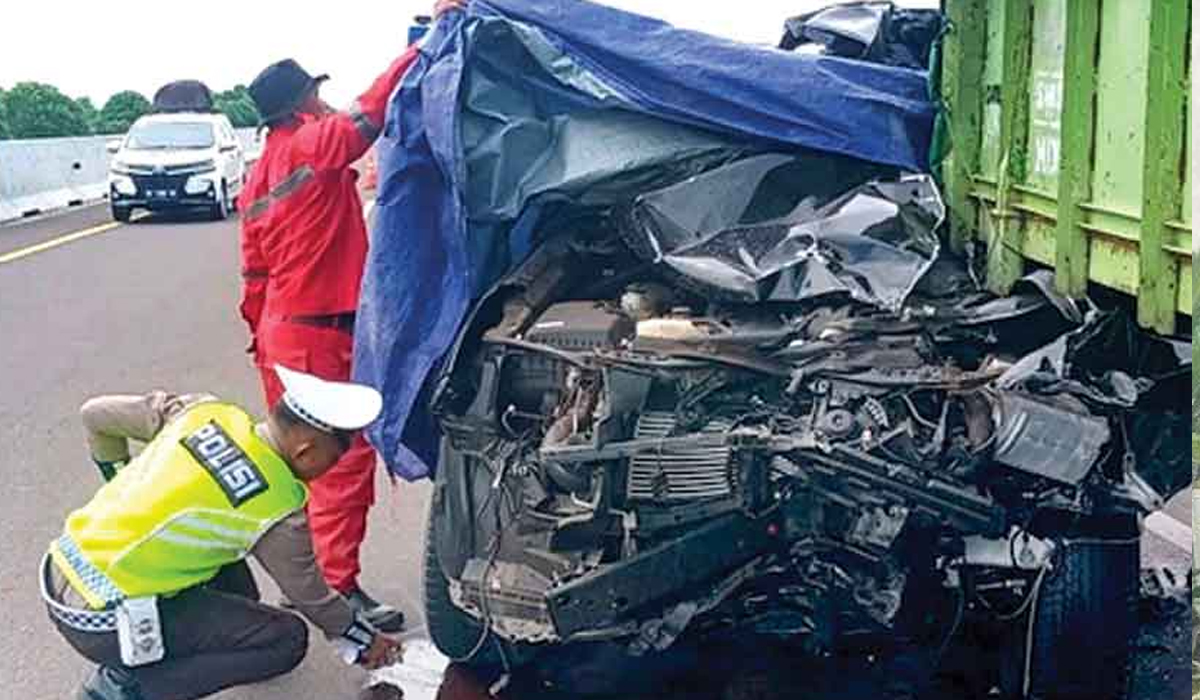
point(148, 580)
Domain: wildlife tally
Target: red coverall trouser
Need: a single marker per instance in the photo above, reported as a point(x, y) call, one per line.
point(339, 500)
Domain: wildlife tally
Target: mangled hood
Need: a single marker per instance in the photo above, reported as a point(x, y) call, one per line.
point(791, 228)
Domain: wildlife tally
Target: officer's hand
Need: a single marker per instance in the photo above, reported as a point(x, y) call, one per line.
point(442, 6)
point(384, 651)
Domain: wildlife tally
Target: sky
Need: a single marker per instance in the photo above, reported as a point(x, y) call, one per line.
point(96, 49)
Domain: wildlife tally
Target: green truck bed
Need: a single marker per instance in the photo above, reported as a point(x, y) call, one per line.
point(1071, 144)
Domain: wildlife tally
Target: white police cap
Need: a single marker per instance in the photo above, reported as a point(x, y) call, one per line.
point(327, 405)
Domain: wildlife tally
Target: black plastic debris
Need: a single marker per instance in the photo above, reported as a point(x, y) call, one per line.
point(878, 32)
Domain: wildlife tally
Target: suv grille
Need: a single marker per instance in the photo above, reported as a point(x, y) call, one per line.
point(679, 474)
point(180, 169)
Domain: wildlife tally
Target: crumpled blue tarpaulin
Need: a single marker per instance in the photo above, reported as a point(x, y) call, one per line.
point(515, 106)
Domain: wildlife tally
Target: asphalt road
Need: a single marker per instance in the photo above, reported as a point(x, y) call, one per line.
point(148, 305)
point(154, 305)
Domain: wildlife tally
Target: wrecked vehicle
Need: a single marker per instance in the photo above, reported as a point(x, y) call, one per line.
point(708, 374)
point(754, 415)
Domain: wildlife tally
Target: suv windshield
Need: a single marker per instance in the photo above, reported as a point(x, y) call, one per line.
point(164, 135)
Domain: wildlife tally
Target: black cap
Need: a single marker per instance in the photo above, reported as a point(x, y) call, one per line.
point(281, 87)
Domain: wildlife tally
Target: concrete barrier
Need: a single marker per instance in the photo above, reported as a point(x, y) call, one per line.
point(39, 175)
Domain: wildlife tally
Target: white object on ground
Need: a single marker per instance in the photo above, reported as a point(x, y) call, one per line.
point(419, 675)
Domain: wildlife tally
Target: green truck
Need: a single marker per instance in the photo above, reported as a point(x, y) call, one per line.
point(1071, 148)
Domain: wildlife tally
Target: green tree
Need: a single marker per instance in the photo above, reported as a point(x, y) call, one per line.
point(238, 106)
point(121, 111)
point(5, 133)
point(37, 110)
point(88, 110)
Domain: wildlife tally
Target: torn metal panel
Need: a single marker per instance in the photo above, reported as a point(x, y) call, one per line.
point(787, 228)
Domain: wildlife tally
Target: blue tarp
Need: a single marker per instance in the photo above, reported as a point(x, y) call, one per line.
point(515, 107)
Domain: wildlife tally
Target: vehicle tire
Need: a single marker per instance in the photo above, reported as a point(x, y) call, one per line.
point(1084, 622)
point(122, 214)
point(455, 633)
point(220, 208)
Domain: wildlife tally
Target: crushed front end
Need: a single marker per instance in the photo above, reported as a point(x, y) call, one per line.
point(765, 400)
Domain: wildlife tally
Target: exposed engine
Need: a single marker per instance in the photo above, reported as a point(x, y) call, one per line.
point(650, 456)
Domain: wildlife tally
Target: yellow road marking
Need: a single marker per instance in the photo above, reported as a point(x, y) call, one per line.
point(63, 240)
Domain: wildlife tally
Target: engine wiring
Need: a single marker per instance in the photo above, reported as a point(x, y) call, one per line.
point(916, 415)
point(959, 614)
point(484, 593)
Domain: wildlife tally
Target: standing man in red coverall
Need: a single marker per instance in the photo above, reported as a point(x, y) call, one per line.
point(304, 244)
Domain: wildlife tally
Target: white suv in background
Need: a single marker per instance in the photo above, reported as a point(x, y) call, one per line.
point(182, 160)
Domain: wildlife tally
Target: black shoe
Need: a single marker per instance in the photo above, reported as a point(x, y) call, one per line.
point(110, 684)
point(385, 618)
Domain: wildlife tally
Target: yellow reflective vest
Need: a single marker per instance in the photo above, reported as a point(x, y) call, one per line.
point(198, 497)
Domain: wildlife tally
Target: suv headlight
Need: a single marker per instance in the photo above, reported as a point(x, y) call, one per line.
point(123, 184)
point(198, 184)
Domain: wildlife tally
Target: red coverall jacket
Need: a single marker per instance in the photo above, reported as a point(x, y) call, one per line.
point(304, 244)
point(304, 241)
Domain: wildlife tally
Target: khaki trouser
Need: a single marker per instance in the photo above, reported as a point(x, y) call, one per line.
point(217, 636)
